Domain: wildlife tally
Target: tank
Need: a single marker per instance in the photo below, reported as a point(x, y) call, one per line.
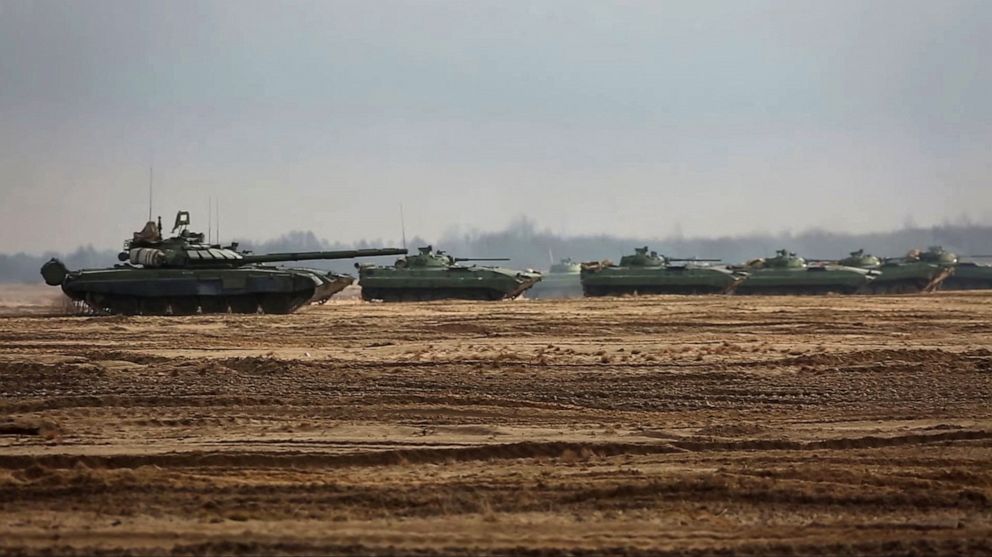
point(919, 271)
point(435, 275)
point(787, 273)
point(561, 281)
point(646, 272)
point(183, 275)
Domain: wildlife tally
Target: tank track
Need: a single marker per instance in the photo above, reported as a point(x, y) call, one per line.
point(190, 305)
point(432, 294)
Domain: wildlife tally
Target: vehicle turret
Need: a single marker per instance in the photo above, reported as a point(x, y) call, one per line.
point(783, 259)
point(933, 254)
point(644, 258)
point(861, 259)
point(187, 249)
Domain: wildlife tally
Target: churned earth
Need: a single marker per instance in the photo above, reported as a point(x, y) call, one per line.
point(627, 426)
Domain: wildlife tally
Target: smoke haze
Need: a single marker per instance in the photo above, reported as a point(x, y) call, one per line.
point(631, 119)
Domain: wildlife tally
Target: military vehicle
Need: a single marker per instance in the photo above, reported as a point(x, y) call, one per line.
point(182, 275)
point(917, 272)
point(561, 281)
point(969, 275)
point(646, 272)
point(435, 275)
point(787, 273)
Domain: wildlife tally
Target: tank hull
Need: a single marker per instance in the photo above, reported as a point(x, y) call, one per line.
point(907, 278)
point(969, 276)
point(617, 281)
point(390, 284)
point(805, 281)
point(140, 291)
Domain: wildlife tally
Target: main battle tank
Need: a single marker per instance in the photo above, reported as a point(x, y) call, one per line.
point(435, 275)
point(787, 273)
point(650, 273)
point(182, 275)
point(917, 272)
point(561, 281)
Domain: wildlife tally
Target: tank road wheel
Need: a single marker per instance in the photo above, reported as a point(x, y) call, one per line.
point(154, 306)
point(243, 304)
point(213, 304)
point(276, 303)
point(186, 305)
point(123, 305)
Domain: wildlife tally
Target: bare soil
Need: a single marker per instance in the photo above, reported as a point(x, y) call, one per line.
point(633, 426)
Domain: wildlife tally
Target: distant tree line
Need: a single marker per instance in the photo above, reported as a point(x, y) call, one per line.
point(530, 247)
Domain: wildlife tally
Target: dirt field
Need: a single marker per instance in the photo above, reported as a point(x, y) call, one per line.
point(636, 426)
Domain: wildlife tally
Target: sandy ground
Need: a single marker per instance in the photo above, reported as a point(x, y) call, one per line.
point(635, 426)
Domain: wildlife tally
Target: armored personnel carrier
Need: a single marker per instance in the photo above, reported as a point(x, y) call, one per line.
point(183, 275)
point(787, 273)
point(917, 272)
point(970, 275)
point(561, 281)
point(646, 272)
point(435, 275)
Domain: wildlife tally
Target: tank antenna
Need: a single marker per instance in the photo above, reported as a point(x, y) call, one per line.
point(151, 182)
point(402, 226)
point(210, 216)
point(217, 208)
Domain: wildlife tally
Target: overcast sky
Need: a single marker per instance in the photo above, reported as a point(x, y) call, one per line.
point(639, 118)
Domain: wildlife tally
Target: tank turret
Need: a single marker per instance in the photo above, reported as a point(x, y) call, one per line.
point(861, 259)
point(934, 254)
point(187, 249)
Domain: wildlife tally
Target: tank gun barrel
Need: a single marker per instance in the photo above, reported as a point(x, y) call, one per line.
point(312, 255)
point(457, 259)
point(693, 259)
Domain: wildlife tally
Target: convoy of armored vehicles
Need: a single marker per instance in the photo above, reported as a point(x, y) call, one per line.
point(184, 275)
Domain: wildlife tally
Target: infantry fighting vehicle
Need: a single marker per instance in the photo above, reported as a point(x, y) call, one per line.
point(969, 275)
point(787, 273)
point(561, 281)
point(917, 272)
point(646, 272)
point(182, 275)
point(435, 275)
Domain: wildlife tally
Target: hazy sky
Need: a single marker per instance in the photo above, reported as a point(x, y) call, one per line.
point(640, 118)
